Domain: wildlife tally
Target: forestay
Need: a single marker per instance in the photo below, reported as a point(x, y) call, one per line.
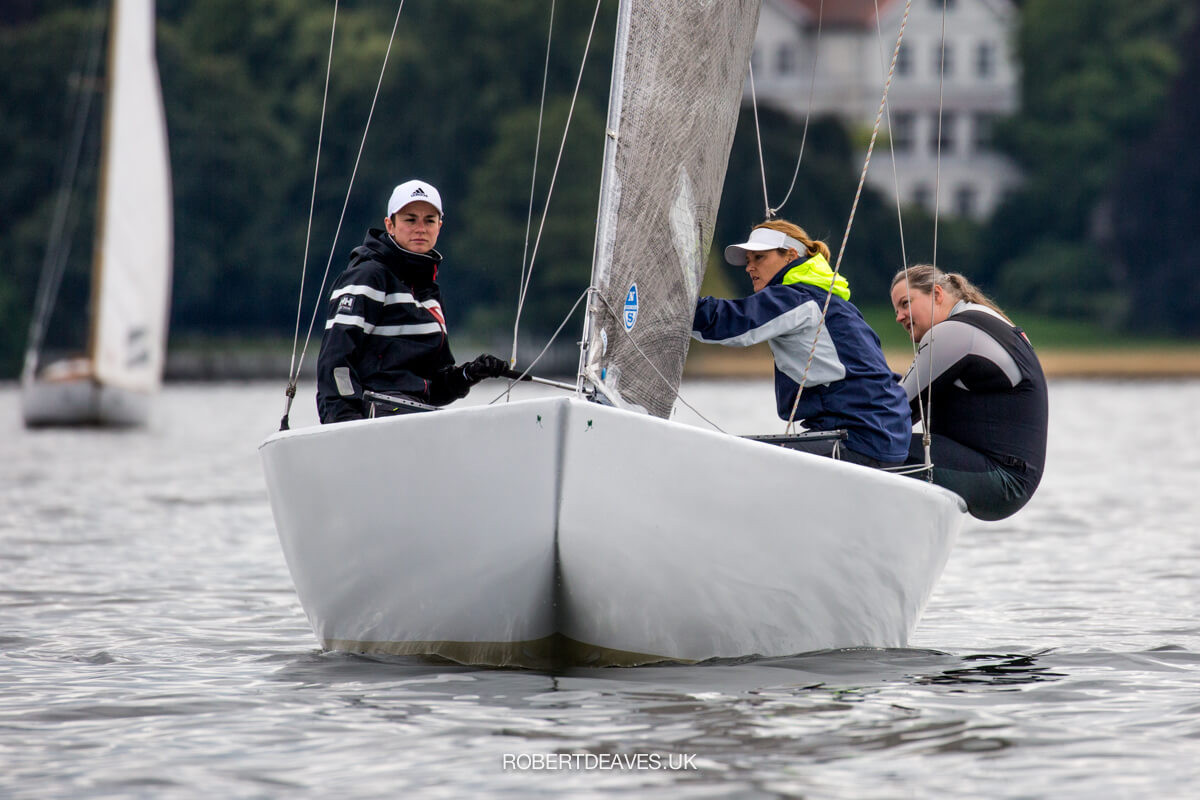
point(678, 71)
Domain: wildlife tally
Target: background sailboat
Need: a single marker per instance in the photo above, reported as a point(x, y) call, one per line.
point(113, 382)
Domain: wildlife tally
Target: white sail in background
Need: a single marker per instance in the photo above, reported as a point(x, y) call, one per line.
point(672, 115)
point(133, 251)
point(114, 381)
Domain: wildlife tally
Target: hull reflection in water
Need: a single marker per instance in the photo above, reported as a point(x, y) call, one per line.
point(551, 532)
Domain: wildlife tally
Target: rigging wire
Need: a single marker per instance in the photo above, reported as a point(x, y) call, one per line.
point(58, 250)
point(762, 167)
point(293, 372)
point(528, 369)
point(853, 209)
point(928, 465)
point(927, 419)
point(292, 379)
point(925, 401)
point(561, 147)
point(812, 85)
point(892, 152)
point(527, 266)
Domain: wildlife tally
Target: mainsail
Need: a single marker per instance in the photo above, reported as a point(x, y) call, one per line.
point(133, 252)
point(678, 71)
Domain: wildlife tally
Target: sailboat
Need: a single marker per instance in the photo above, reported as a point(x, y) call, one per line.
point(590, 528)
point(115, 380)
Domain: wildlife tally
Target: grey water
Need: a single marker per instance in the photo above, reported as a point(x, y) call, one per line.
point(151, 643)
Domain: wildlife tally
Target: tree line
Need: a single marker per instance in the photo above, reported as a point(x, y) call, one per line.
point(1101, 227)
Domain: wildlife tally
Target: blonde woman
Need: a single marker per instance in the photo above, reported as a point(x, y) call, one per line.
point(848, 384)
point(977, 375)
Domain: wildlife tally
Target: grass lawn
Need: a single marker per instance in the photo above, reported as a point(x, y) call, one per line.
point(1066, 349)
point(1048, 333)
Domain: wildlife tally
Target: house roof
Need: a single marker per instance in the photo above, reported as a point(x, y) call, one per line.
point(842, 12)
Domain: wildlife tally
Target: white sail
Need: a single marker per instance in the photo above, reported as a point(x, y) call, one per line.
point(113, 383)
point(672, 115)
point(133, 250)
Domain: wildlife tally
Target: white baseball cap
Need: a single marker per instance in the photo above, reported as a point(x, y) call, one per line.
point(411, 192)
point(762, 239)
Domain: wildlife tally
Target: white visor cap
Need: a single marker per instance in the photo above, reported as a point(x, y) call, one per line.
point(411, 192)
point(762, 239)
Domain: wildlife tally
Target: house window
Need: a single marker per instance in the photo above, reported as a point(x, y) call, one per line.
point(943, 60)
point(922, 196)
point(785, 60)
point(904, 63)
point(985, 59)
point(982, 124)
point(948, 123)
point(904, 124)
point(965, 200)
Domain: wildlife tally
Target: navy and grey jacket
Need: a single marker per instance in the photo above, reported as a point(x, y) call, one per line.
point(385, 332)
point(849, 383)
point(988, 390)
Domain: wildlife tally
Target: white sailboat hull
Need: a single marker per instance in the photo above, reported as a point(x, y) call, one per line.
point(551, 531)
point(82, 401)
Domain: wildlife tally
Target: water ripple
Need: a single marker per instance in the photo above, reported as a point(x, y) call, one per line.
point(153, 646)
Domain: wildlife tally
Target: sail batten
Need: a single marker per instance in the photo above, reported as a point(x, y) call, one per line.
point(678, 71)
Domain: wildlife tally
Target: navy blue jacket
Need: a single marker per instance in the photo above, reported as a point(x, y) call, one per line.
point(849, 383)
point(385, 332)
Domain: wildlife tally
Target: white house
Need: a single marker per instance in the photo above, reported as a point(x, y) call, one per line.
point(842, 72)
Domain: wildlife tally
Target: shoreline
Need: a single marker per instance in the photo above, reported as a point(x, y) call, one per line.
point(714, 361)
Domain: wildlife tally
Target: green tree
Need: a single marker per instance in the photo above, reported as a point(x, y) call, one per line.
point(42, 94)
point(1095, 74)
point(497, 211)
point(1154, 211)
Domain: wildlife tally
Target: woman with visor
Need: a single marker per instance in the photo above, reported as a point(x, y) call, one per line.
point(848, 384)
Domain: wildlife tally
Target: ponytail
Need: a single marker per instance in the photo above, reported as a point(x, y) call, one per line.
point(923, 277)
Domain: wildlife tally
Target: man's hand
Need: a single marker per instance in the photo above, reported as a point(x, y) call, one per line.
point(485, 366)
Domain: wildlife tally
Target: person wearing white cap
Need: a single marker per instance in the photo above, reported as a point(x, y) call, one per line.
point(386, 331)
point(848, 384)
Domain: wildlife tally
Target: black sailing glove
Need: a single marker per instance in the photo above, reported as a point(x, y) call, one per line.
point(485, 366)
point(449, 384)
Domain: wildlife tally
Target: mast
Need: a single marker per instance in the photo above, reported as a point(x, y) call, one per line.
point(608, 180)
point(679, 67)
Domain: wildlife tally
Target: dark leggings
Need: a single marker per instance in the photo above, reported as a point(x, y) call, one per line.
point(990, 490)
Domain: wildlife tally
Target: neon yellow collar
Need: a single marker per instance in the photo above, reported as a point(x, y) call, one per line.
point(816, 272)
